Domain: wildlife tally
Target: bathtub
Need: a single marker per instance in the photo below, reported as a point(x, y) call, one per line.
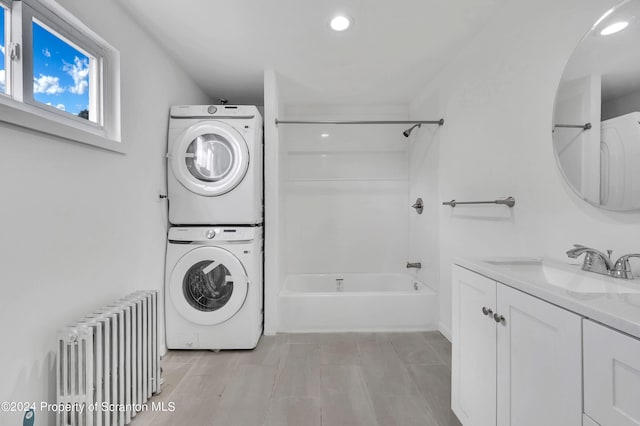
point(356, 302)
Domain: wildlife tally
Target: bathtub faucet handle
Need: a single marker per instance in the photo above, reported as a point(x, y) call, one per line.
point(416, 265)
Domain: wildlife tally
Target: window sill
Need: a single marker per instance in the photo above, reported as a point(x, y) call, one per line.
point(18, 114)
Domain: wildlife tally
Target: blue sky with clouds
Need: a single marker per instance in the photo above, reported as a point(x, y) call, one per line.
point(60, 72)
point(2, 74)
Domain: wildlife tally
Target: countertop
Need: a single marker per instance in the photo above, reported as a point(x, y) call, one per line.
point(620, 311)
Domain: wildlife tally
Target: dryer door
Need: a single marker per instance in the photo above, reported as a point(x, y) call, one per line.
point(210, 158)
point(208, 285)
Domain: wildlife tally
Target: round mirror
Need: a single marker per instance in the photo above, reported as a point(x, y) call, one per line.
point(596, 119)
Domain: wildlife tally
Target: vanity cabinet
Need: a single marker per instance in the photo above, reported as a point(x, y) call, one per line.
point(473, 344)
point(516, 359)
point(611, 376)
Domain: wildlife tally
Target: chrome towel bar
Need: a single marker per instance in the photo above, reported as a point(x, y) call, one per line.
point(509, 202)
point(585, 126)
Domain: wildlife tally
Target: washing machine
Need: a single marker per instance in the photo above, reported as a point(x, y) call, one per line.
point(215, 164)
point(213, 288)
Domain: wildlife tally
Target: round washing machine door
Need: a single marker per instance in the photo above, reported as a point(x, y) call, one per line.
point(208, 285)
point(210, 158)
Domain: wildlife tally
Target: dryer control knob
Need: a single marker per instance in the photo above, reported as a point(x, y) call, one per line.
point(212, 109)
point(211, 233)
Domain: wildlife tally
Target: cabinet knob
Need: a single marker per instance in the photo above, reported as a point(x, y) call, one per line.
point(487, 311)
point(499, 319)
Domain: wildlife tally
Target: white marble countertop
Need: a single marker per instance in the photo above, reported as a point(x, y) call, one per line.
point(617, 310)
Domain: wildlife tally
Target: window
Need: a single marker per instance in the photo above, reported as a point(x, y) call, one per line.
point(61, 76)
point(57, 69)
point(3, 61)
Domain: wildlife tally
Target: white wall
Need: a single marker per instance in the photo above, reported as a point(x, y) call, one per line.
point(622, 105)
point(83, 226)
point(579, 101)
point(497, 98)
point(274, 200)
point(423, 183)
point(346, 204)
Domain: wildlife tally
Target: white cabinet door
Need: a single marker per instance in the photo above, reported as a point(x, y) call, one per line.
point(473, 374)
point(539, 362)
point(611, 376)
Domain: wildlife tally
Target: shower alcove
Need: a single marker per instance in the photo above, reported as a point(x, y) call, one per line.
point(343, 210)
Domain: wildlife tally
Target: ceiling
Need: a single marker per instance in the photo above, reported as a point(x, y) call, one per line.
point(391, 51)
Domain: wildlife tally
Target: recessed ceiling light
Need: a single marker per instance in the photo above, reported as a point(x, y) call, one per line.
point(324, 135)
point(340, 23)
point(614, 28)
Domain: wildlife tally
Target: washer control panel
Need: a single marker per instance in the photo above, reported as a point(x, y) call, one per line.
point(214, 233)
point(211, 111)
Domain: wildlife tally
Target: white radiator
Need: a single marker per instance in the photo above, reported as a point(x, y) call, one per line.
point(108, 363)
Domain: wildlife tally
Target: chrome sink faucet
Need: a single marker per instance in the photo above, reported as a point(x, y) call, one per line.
point(600, 263)
point(594, 260)
point(622, 268)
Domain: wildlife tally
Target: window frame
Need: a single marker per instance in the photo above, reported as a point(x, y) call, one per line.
point(7, 47)
point(19, 107)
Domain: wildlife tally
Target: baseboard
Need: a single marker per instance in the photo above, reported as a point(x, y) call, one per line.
point(357, 330)
point(446, 332)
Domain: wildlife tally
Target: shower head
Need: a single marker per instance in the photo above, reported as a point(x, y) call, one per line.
point(407, 132)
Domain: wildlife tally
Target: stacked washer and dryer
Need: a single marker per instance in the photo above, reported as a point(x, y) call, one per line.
point(214, 265)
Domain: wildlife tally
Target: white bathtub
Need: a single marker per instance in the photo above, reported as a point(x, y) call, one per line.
point(360, 302)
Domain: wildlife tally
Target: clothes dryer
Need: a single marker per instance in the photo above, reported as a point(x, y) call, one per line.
point(215, 165)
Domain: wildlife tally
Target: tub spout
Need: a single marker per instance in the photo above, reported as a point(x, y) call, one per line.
point(416, 265)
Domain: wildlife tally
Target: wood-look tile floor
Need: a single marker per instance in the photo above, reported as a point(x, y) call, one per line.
point(351, 379)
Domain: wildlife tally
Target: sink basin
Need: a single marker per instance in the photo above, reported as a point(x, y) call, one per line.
point(515, 262)
point(564, 276)
point(582, 282)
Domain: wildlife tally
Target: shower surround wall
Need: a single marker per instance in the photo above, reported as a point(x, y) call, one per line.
point(346, 200)
point(345, 218)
